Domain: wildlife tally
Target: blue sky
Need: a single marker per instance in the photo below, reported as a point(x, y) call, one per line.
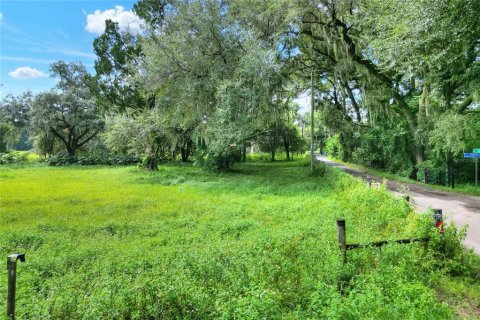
point(34, 34)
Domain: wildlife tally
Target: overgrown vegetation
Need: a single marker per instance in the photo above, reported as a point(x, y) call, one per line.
point(260, 242)
point(212, 84)
point(210, 81)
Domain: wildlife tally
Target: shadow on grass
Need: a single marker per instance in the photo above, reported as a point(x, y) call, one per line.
point(259, 177)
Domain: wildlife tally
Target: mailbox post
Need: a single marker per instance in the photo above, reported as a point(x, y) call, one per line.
point(438, 219)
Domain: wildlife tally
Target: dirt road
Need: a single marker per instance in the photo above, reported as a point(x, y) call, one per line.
point(457, 208)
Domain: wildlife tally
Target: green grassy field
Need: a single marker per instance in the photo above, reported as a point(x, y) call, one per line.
point(259, 243)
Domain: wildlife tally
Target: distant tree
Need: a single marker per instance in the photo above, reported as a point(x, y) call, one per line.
point(141, 134)
point(14, 119)
point(293, 142)
point(68, 114)
point(211, 79)
point(269, 141)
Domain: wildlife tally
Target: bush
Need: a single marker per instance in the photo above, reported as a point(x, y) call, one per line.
point(430, 172)
point(13, 157)
point(333, 147)
point(92, 159)
point(262, 156)
point(319, 169)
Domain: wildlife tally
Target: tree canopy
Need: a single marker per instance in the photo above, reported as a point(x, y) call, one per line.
point(394, 83)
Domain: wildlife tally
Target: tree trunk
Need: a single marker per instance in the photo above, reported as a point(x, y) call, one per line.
point(273, 144)
point(422, 104)
point(286, 144)
point(186, 149)
point(71, 152)
point(223, 164)
point(413, 125)
point(184, 154)
point(152, 163)
point(450, 176)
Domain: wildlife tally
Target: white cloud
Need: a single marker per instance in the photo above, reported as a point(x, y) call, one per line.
point(24, 73)
point(26, 59)
point(1, 17)
point(75, 53)
point(127, 20)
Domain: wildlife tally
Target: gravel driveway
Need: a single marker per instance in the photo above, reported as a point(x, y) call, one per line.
point(458, 208)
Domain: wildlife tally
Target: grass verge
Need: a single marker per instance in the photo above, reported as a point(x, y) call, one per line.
point(465, 188)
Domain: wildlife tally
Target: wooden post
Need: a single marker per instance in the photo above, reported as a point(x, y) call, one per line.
point(342, 238)
point(12, 282)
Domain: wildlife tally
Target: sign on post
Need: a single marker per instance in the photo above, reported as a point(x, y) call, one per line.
point(476, 155)
point(471, 155)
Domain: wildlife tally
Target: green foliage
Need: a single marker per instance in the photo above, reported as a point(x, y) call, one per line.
point(13, 157)
point(117, 55)
point(185, 243)
point(5, 131)
point(14, 119)
point(140, 134)
point(333, 147)
point(452, 132)
point(69, 117)
point(319, 169)
point(385, 147)
point(398, 86)
point(151, 11)
point(263, 156)
point(91, 159)
point(216, 81)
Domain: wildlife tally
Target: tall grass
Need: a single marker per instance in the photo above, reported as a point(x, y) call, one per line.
point(121, 243)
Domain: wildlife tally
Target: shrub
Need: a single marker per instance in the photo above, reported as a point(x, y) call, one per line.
point(91, 159)
point(13, 157)
point(333, 147)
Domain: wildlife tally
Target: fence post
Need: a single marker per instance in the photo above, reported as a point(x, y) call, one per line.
point(342, 238)
point(12, 281)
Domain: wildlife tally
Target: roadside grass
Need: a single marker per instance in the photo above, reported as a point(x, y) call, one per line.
point(122, 243)
point(463, 188)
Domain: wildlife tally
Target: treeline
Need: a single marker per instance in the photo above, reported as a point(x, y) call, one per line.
point(395, 84)
point(398, 83)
